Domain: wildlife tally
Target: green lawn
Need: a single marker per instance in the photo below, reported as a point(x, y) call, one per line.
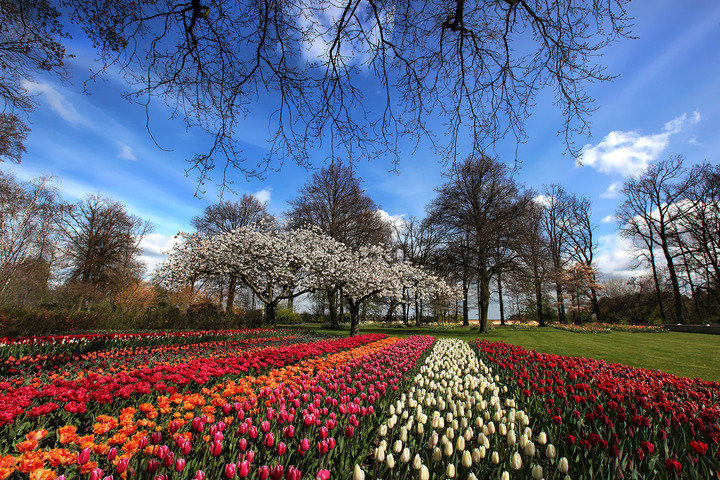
point(685, 354)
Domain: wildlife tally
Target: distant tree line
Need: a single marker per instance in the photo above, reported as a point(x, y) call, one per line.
point(532, 252)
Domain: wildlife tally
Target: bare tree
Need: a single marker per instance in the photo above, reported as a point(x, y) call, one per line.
point(480, 202)
point(335, 202)
point(478, 64)
point(101, 243)
point(29, 213)
point(533, 250)
point(702, 226)
point(31, 37)
point(581, 241)
point(656, 197)
point(416, 242)
point(556, 223)
point(226, 216)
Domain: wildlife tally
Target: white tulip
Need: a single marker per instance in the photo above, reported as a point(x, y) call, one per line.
point(417, 462)
point(542, 438)
point(405, 457)
point(511, 438)
point(495, 458)
point(398, 446)
point(450, 471)
point(466, 459)
point(563, 466)
point(537, 472)
point(448, 449)
point(529, 448)
point(433, 440)
point(505, 475)
point(390, 461)
point(358, 473)
point(437, 455)
point(550, 452)
point(516, 461)
point(460, 444)
point(380, 454)
point(424, 473)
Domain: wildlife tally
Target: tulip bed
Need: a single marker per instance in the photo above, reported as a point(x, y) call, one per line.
point(610, 327)
point(274, 405)
point(269, 407)
point(614, 421)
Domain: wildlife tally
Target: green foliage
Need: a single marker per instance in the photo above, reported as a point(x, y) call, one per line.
point(253, 318)
point(288, 317)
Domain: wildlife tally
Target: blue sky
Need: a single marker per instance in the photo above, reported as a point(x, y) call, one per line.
point(666, 100)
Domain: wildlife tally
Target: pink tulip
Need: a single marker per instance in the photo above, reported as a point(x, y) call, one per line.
point(323, 474)
point(243, 469)
point(263, 472)
point(83, 457)
point(229, 470)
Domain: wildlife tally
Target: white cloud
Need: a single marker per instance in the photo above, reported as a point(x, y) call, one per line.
point(55, 100)
point(629, 153)
point(543, 200)
point(126, 152)
point(154, 247)
point(263, 195)
point(608, 219)
point(694, 141)
point(396, 221)
point(615, 257)
point(613, 190)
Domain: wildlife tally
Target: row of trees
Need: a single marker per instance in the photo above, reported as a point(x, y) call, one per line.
point(89, 250)
point(278, 263)
point(534, 252)
point(671, 214)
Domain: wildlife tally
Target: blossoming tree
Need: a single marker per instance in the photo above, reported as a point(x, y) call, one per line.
point(279, 264)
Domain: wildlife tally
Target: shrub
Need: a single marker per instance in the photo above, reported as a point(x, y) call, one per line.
point(288, 317)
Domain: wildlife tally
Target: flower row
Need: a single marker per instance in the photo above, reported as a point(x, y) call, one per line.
point(303, 418)
point(457, 421)
point(614, 420)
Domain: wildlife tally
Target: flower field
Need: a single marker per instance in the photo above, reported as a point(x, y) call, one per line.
point(268, 404)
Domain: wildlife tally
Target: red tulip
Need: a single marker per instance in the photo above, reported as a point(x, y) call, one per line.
point(229, 470)
point(243, 469)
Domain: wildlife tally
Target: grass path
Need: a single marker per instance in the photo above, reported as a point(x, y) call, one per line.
point(684, 354)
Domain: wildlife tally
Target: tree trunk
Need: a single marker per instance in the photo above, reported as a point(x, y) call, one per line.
point(500, 299)
point(231, 295)
point(595, 304)
point(334, 324)
point(341, 309)
point(465, 307)
point(561, 302)
point(354, 318)
point(657, 285)
point(291, 304)
point(483, 286)
point(418, 313)
point(270, 310)
point(390, 312)
point(690, 282)
point(674, 281)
